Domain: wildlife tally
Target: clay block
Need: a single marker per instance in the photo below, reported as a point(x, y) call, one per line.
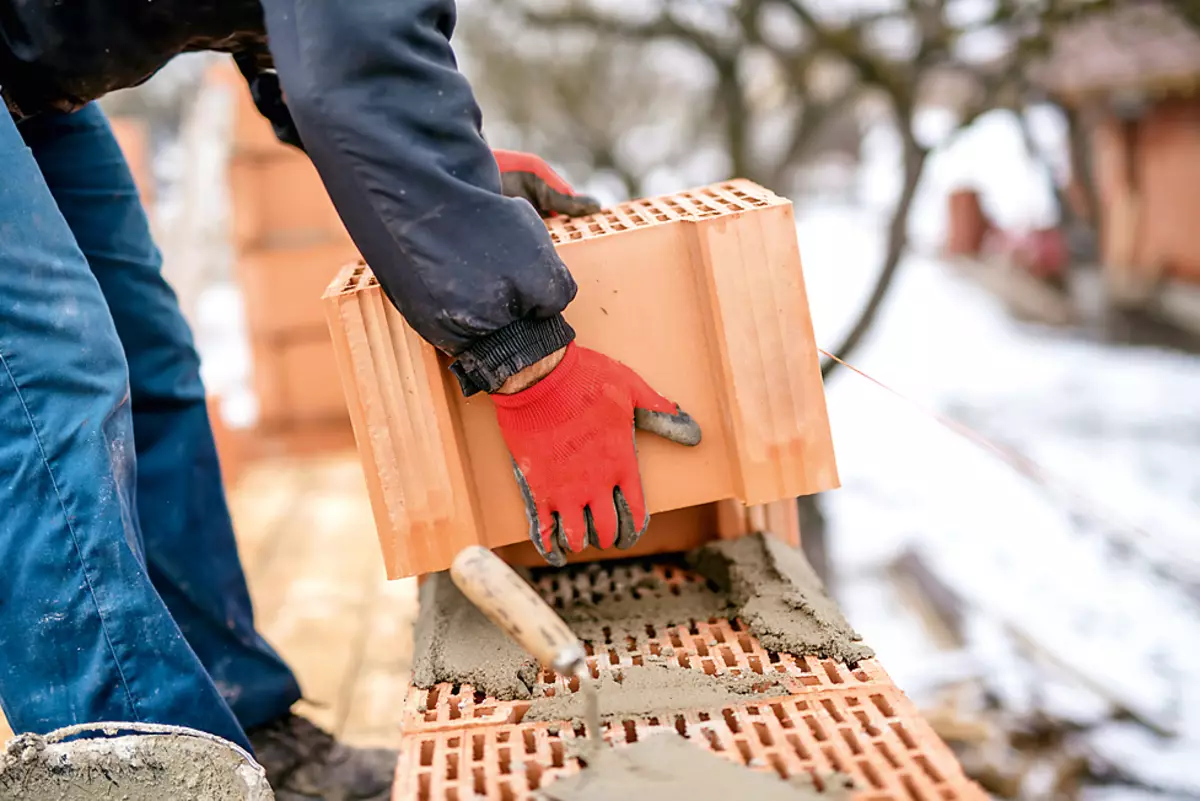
point(281, 287)
point(296, 383)
point(700, 292)
point(133, 136)
point(251, 133)
point(280, 201)
point(967, 226)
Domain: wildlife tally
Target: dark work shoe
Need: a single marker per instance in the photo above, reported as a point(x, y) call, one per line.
point(305, 762)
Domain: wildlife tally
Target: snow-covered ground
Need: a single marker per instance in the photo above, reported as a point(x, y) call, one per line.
point(1117, 431)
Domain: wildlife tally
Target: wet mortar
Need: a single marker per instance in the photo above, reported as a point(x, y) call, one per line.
point(761, 581)
point(128, 768)
point(668, 766)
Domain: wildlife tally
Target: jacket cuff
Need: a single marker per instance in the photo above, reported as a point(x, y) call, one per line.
point(489, 362)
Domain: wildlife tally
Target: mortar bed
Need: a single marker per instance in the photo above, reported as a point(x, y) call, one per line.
point(459, 744)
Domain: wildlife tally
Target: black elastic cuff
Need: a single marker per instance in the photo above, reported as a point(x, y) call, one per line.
point(487, 364)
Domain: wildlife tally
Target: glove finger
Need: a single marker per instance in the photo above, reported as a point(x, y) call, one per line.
point(631, 524)
point(548, 200)
point(602, 523)
point(542, 523)
point(678, 427)
point(574, 528)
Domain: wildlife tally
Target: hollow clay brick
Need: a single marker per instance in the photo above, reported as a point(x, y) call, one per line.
point(279, 200)
point(281, 287)
point(701, 292)
point(296, 382)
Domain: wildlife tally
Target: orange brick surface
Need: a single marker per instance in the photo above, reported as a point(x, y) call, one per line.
point(279, 201)
point(282, 287)
point(701, 292)
point(296, 383)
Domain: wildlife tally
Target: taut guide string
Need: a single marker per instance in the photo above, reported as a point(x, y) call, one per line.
point(1031, 470)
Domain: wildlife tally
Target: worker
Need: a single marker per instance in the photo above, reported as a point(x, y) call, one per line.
point(121, 595)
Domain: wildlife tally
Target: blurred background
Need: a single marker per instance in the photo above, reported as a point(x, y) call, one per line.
point(998, 212)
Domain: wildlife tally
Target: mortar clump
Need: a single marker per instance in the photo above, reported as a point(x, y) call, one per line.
point(668, 766)
point(658, 691)
point(455, 643)
point(780, 598)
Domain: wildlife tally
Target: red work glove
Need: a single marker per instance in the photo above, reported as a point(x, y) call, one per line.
point(527, 176)
point(571, 436)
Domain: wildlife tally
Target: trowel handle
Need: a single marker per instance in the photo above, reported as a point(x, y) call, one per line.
point(514, 606)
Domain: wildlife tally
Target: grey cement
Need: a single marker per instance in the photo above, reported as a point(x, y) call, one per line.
point(667, 766)
point(141, 767)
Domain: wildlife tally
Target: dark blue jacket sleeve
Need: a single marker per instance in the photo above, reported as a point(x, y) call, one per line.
point(395, 133)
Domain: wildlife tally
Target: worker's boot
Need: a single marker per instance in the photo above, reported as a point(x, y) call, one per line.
point(305, 762)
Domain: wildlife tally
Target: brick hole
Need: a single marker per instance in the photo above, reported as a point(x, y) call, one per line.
point(831, 670)
point(782, 716)
point(755, 663)
point(477, 748)
point(852, 742)
point(631, 644)
point(744, 750)
point(910, 787)
point(871, 773)
point(861, 675)
point(662, 218)
point(595, 228)
point(504, 755)
point(798, 747)
point(575, 235)
point(482, 711)
point(502, 737)
point(886, 752)
point(427, 753)
point(588, 648)
point(683, 659)
point(867, 726)
point(651, 632)
point(928, 768)
point(835, 759)
point(883, 705)
point(613, 658)
point(451, 766)
point(506, 793)
point(714, 742)
point(814, 726)
point(777, 763)
point(607, 631)
point(764, 734)
point(745, 643)
point(655, 649)
point(833, 711)
point(693, 628)
point(718, 634)
point(619, 227)
point(477, 782)
point(701, 647)
point(904, 736)
point(533, 773)
point(949, 794)
point(638, 659)
point(703, 716)
point(594, 669)
point(710, 667)
point(573, 684)
point(423, 787)
point(681, 725)
point(852, 701)
point(530, 741)
point(630, 731)
point(731, 721)
point(727, 656)
point(676, 640)
point(556, 753)
point(819, 784)
point(773, 657)
point(800, 705)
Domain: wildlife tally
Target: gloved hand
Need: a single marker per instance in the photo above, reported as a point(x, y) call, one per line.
point(571, 436)
point(528, 176)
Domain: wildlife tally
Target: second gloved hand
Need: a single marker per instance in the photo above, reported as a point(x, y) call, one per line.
point(527, 176)
point(571, 436)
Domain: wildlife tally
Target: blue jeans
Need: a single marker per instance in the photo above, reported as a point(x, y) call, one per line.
point(121, 593)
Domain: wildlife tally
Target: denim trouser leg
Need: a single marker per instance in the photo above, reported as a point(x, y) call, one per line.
point(189, 540)
point(84, 635)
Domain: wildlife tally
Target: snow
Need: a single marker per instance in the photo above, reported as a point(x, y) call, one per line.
point(1093, 568)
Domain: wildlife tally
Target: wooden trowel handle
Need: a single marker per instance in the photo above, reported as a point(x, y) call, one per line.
point(514, 606)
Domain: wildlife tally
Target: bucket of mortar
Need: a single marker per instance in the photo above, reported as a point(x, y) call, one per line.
point(129, 762)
